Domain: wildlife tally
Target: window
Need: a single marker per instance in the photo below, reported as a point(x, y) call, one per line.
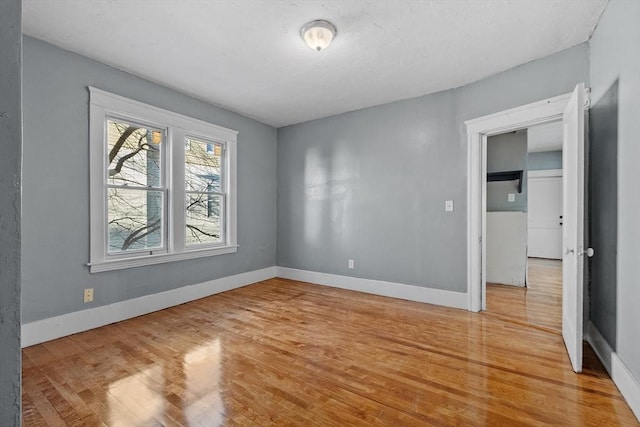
point(163, 185)
point(203, 185)
point(136, 194)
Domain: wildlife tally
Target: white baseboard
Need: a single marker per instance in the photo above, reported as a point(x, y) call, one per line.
point(600, 346)
point(626, 383)
point(79, 321)
point(378, 287)
point(620, 374)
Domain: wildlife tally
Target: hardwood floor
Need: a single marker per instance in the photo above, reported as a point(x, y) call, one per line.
point(286, 353)
point(539, 304)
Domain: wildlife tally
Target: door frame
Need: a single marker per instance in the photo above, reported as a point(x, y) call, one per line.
point(478, 130)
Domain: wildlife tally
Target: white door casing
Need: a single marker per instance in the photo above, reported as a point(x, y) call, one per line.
point(573, 228)
point(478, 130)
point(544, 209)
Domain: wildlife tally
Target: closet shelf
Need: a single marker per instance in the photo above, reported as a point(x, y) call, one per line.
point(506, 176)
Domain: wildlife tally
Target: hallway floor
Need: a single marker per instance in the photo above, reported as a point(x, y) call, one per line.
point(539, 304)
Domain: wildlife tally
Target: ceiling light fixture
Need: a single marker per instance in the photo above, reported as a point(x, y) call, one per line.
point(318, 34)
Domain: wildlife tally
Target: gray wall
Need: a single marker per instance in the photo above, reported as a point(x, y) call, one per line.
point(362, 185)
point(10, 176)
point(371, 184)
point(603, 212)
point(614, 56)
point(507, 152)
point(544, 160)
point(56, 187)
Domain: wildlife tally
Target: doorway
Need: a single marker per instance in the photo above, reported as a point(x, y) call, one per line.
point(569, 108)
point(523, 225)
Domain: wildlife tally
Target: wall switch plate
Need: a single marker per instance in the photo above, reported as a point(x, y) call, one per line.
point(351, 264)
point(511, 197)
point(88, 295)
point(448, 205)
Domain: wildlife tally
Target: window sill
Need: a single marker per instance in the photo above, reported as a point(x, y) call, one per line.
point(140, 261)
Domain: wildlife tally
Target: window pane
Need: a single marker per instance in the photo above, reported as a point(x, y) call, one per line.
point(134, 154)
point(204, 219)
point(135, 219)
point(203, 161)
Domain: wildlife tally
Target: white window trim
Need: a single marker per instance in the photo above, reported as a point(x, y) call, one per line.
point(103, 104)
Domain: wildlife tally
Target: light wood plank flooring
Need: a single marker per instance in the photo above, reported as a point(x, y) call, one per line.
point(539, 304)
point(286, 353)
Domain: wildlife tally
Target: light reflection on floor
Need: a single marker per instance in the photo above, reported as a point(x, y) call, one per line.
point(144, 399)
point(203, 367)
point(142, 402)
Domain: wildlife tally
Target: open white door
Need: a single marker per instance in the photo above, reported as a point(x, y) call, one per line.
point(573, 228)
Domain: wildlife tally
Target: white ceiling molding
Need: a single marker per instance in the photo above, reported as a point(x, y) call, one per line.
point(248, 56)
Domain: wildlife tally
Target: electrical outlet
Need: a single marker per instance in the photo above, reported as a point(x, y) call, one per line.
point(88, 295)
point(511, 197)
point(351, 264)
point(448, 205)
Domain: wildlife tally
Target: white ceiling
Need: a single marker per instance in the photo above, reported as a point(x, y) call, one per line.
point(545, 137)
point(247, 55)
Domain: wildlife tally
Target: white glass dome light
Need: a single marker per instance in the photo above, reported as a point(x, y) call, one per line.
point(318, 34)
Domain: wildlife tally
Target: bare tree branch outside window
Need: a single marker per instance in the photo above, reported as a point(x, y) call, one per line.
point(203, 186)
point(136, 195)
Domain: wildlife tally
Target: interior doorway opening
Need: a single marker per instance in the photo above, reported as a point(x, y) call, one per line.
point(523, 225)
point(571, 109)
